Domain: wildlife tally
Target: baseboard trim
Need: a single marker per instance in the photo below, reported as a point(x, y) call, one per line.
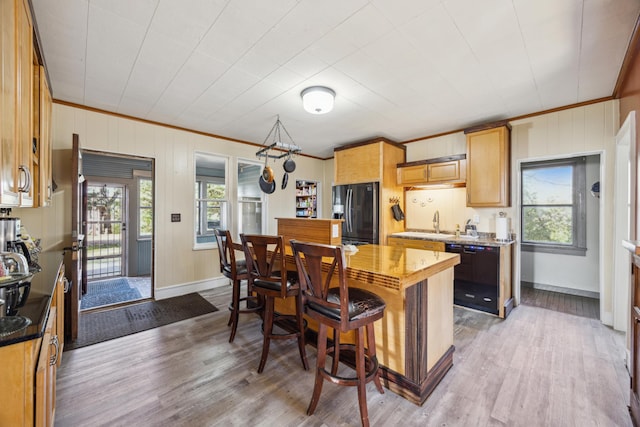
point(186, 288)
point(560, 289)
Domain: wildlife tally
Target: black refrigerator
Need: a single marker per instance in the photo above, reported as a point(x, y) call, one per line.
point(358, 206)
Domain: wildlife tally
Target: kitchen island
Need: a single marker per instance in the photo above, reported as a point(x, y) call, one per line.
point(414, 339)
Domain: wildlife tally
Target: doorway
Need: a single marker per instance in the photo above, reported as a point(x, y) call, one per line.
point(118, 214)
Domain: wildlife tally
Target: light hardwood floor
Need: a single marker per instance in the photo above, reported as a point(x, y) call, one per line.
point(540, 367)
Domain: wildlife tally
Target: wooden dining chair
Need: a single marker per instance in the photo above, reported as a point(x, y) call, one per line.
point(236, 271)
point(344, 309)
point(270, 279)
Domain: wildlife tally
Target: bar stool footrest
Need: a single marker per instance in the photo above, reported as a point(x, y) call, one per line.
point(347, 356)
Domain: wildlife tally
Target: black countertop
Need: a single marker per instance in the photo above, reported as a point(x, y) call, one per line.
point(36, 309)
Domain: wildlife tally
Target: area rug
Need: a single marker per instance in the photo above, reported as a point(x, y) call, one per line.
point(99, 326)
point(107, 292)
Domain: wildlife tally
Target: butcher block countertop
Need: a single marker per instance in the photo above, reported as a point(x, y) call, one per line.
point(395, 268)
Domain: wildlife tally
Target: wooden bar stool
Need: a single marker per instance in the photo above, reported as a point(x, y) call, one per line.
point(236, 271)
point(270, 279)
point(344, 309)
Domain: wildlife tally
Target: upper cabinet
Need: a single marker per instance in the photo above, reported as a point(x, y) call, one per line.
point(20, 104)
point(445, 170)
point(9, 195)
point(24, 100)
point(488, 165)
point(42, 148)
point(367, 162)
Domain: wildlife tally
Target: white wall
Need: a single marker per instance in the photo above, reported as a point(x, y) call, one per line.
point(580, 274)
point(176, 262)
point(583, 130)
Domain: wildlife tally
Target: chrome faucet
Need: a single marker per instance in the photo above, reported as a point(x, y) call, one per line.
point(436, 221)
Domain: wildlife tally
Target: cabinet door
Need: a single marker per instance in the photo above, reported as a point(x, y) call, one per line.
point(446, 171)
point(9, 195)
point(635, 364)
point(46, 374)
point(24, 48)
point(358, 164)
point(488, 160)
point(413, 175)
point(44, 188)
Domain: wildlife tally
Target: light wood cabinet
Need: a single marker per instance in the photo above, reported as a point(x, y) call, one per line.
point(429, 245)
point(634, 362)
point(16, 68)
point(488, 166)
point(374, 161)
point(359, 163)
point(24, 99)
point(42, 106)
point(433, 172)
point(9, 195)
point(28, 369)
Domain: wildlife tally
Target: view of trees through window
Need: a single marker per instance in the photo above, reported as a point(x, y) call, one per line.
point(145, 204)
point(554, 212)
point(547, 204)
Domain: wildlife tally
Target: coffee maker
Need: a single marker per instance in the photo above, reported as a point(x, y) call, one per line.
point(10, 240)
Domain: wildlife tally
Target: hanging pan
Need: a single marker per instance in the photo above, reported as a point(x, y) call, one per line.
point(289, 165)
point(267, 187)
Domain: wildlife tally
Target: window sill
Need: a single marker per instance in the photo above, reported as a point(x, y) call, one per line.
point(553, 249)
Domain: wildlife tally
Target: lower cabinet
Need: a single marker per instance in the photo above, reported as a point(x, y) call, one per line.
point(45, 391)
point(28, 370)
point(634, 362)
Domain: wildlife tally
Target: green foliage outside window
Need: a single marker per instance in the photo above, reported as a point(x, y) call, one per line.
point(145, 195)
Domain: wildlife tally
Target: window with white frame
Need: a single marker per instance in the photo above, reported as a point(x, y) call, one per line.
point(553, 206)
point(211, 198)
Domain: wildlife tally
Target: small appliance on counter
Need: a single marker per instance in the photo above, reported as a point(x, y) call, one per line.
point(15, 282)
point(11, 239)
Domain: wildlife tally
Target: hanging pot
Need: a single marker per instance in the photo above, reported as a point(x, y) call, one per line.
point(285, 180)
point(267, 172)
point(267, 187)
point(289, 165)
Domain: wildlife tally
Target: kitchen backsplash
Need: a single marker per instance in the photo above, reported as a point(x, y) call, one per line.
point(420, 206)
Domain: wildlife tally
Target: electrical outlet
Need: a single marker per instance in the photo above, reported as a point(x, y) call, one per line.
point(476, 219)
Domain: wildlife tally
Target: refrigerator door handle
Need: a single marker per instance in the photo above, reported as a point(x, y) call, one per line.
point(349, 210)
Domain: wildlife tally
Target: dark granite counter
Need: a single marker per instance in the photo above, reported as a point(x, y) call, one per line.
point(36, 310)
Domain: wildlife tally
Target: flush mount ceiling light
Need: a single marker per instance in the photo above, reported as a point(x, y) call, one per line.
point(318, 99)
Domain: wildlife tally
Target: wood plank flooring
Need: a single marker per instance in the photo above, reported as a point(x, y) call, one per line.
point(540, 367)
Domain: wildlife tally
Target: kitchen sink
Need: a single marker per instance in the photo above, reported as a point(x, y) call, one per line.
point(465, 237)
point(423, 235)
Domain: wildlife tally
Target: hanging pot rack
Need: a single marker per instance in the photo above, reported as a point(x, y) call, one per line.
point(275, 135)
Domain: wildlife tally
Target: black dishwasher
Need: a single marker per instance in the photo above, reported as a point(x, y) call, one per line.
point(476, 278)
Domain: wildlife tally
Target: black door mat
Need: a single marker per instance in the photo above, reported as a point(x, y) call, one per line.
point(106, 325)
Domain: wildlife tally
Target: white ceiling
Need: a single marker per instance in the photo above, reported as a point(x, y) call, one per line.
point(401, 69)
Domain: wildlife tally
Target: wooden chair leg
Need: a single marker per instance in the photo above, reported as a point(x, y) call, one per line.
point(267, 326)
point(336, 352)
point(361, 375)
point(233, 317)
point(300, 322)
point(322, 356)
point(371, 351)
